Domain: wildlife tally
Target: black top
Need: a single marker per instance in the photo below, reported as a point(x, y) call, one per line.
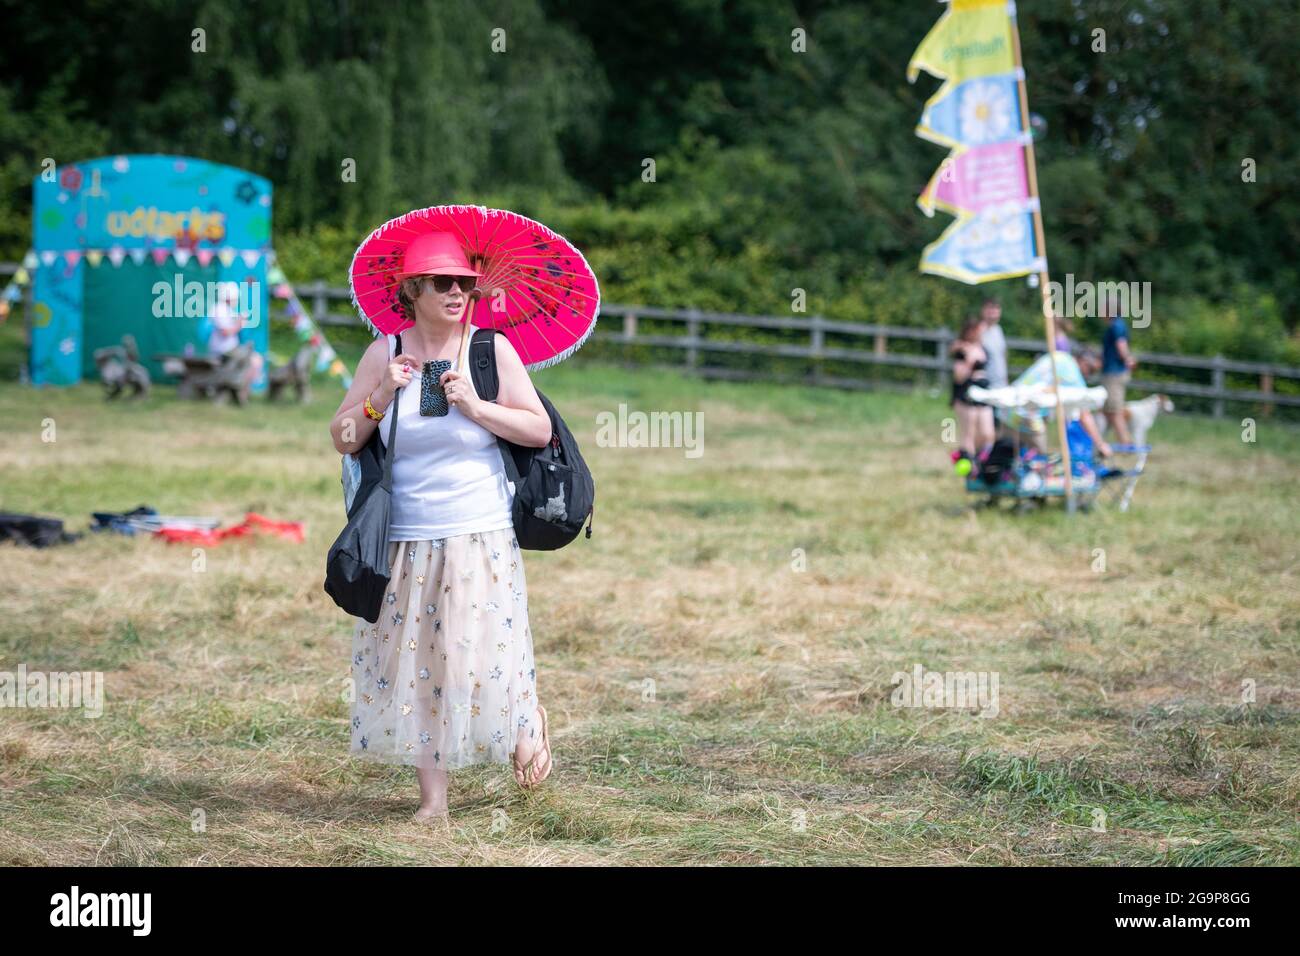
point(959, 389)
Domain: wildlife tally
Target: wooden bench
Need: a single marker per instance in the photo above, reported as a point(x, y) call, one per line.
point(217, 378)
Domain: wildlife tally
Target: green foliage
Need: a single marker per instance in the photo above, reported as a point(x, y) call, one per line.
point(775, 170)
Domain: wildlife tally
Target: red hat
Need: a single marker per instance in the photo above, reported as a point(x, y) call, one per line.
point(435, 253)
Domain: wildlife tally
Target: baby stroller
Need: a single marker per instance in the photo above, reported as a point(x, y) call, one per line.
point(1015, 469)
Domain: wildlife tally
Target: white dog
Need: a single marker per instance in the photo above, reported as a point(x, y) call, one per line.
point(1142, 414)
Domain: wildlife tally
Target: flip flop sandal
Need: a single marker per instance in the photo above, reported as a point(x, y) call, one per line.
point(530, 772)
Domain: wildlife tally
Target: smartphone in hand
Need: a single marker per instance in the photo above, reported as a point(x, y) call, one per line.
point(433, 400)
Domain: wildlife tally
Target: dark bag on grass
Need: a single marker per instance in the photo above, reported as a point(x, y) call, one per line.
point(34, 530)
point(999, 463)
point(356, 570)
point(554, 490)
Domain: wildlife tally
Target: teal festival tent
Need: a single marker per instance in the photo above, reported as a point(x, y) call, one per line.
point(144, 245)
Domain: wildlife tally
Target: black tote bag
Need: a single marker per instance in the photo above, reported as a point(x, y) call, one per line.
point(356, 569)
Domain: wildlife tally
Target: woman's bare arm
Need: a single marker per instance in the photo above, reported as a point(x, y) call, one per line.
point(376, 378)
point(517, 415)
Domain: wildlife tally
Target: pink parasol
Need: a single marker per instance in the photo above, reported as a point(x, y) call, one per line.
point(536, 287)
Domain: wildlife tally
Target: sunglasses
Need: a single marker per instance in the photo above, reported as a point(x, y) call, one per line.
point(443, 284)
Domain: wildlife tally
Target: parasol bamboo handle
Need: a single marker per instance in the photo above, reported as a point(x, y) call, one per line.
point(462, 356)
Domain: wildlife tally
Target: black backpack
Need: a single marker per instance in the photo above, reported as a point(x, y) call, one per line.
point(554, 490)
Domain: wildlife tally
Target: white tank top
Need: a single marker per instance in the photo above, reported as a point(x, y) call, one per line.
point(448, 478)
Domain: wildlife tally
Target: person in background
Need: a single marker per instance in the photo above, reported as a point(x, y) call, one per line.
point(974, 419)
point(1064, 329)
point(994, 343)
point(1117, 364)
point(1089, 365)
point(226, 325)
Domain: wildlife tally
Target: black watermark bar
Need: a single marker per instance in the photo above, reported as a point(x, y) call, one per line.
point(326, 905)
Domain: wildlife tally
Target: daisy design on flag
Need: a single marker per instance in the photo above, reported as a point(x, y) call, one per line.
point(986, 113)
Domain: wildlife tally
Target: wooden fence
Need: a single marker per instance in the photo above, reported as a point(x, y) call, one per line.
point(931, 364)
point(923, 351)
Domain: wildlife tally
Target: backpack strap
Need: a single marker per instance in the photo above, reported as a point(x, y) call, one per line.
point(483, 372)
point(391, 450)
point(483, 364)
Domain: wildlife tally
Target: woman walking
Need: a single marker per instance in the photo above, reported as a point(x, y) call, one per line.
point(446, 677)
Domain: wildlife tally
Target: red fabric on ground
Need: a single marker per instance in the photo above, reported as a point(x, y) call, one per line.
point(291, 530)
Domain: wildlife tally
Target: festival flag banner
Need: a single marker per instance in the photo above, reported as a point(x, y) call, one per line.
point(998, 243)
point(94, 257)
point(970, 49)
point(972, 180)
point(972, 38)
point(115, 255)
point(976, 113)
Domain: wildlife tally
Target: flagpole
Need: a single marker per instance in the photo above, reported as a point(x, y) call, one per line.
point(1049, 318)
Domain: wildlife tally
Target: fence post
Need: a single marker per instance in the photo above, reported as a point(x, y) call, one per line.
point(1217, 382)
point(692, 334)
point(629, 325)
point(817, 340)
point(944, 371)
point(319, 303)
point(879, 347)
point(1266, 386)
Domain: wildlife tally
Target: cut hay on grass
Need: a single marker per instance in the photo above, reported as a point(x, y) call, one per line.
point(718, 659)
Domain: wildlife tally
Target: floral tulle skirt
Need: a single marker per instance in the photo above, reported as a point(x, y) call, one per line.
point(446, 678)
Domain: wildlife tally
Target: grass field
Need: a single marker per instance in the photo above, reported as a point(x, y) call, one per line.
point(711, 702)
